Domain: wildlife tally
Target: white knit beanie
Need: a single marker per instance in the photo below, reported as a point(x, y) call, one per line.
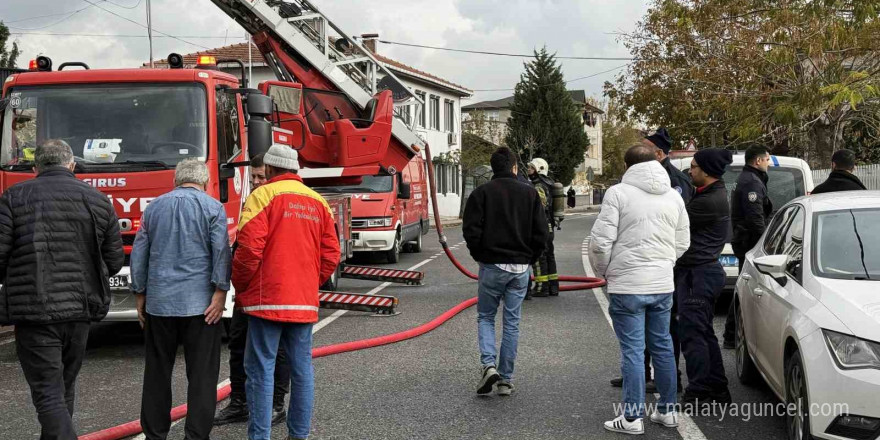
point(282, 156)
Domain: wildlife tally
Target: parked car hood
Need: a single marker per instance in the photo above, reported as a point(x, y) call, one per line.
point(856, 303)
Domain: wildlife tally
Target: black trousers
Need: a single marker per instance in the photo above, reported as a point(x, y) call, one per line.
point(697, 289)
point(730, 322)
point(201, 351)
point(237, 376)
point(546, 277)
point(51, 356)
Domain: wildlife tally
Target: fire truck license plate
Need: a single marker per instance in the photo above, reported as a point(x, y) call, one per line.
point(118, 282)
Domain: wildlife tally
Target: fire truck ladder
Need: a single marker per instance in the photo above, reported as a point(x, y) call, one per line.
point(341, 59)
point(409, 277)
point(379, 304)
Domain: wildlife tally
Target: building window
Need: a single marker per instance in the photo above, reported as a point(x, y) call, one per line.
point(435, 112)
point(493, 115)
point(448, 116)
point(424, 108)
point(404, 113)
point(448, 178)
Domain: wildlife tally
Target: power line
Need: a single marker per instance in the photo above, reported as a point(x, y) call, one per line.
point(123, 6)
point(144, 26)
point(67, 34)
point(70, 13)
point(568, 81)
point(68, 16)
point(502, 54)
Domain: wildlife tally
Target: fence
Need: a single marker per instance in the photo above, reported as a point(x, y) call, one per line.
point(868, 174)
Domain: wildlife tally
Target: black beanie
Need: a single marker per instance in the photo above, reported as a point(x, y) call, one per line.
point(714, 161)
point(661, 139)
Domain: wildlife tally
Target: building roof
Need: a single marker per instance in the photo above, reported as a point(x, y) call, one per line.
point(578, 96)
point(240, 51)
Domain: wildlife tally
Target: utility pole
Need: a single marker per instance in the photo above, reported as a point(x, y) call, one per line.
point(150, 31)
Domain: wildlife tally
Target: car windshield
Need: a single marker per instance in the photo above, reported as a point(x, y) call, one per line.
point(369, 184)
point(108, 127)
point(847, 244)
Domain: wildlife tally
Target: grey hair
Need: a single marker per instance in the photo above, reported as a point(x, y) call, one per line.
point(191, 171)
point(53, 153)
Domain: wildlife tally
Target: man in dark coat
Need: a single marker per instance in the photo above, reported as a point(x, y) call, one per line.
point(571, 197)
point(751, 209)
point(662, 143)
point(59, 245)
point(699, 279)
point(843, 162)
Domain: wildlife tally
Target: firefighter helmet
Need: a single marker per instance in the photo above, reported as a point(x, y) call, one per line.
point(540, 165)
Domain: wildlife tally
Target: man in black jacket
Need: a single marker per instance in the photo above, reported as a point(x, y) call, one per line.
point(750, 209)
point(699, 279)
point(843, 162)
point(59, 244)
point(506, 230)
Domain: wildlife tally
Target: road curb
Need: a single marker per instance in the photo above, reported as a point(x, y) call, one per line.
point(7, 330)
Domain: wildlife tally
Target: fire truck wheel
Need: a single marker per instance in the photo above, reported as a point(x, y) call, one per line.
point(333, 283)
point(393, 254)
point(415, 246)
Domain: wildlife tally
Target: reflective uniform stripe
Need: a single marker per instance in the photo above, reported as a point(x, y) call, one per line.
point(553, 277)
point(542, 278)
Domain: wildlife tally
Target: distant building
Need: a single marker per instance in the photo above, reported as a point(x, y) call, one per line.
point(498, 112)
point(439, 124)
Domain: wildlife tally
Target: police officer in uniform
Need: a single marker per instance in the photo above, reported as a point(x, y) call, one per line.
point(662, 143)
point(750, 210)
point(546, 278)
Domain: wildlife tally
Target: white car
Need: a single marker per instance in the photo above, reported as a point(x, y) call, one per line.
point(789, 177)
point(808, 314)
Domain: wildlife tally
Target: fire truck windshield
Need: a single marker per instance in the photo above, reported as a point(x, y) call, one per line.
point(369, 184)
point(108, 126)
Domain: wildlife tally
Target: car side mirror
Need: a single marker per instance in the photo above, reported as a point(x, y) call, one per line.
point(773, 266)
point(405, 191)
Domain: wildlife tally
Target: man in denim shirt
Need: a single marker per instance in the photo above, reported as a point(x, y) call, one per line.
point(180, 267)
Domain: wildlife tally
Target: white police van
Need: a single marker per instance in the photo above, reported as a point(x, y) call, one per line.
point(789, 178)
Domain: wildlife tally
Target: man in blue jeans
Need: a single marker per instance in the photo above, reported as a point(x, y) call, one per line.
point(506, 230)
point(639, 234)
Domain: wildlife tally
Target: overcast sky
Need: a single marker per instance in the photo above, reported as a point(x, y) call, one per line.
point(568, 27)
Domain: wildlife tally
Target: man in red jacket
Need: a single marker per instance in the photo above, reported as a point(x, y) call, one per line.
point(287, 248)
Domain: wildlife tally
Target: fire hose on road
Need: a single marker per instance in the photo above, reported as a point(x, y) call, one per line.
point(585, 283)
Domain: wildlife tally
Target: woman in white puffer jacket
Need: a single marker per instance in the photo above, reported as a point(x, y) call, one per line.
point(641, 231)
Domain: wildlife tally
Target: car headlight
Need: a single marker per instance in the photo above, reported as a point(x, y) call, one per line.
point(379, 222)
point(851, 352)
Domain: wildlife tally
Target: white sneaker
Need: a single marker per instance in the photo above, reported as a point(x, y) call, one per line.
point(669, 420)
point(488, 379)
point(504, 388)
point(620, 424)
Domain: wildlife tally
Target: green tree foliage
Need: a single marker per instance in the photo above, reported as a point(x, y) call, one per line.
point(792, 74)
point(545, 122)
point(618, 134)
point(7, 57)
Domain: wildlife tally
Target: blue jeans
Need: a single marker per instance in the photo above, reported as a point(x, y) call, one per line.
point(632, 315)
point(263, 340)
point(496, 285)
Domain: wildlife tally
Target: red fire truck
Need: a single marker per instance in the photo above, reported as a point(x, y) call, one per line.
point(128, 128)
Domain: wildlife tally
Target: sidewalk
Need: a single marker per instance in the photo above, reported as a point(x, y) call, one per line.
point(447, 222)
point(584, 208)
point(6, 330)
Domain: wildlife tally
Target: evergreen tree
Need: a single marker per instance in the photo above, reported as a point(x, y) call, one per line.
point(7, 57)
point(545, 122)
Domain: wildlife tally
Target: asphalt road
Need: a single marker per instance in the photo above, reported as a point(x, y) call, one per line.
point(423, 388)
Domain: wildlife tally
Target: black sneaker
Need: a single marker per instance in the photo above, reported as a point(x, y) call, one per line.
point(278, 414)
point(650, 387)
point(617, 382)
point(235, 412)
point(490, 376)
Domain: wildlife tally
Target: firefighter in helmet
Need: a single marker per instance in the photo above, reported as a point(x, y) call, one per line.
point(546, 278)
